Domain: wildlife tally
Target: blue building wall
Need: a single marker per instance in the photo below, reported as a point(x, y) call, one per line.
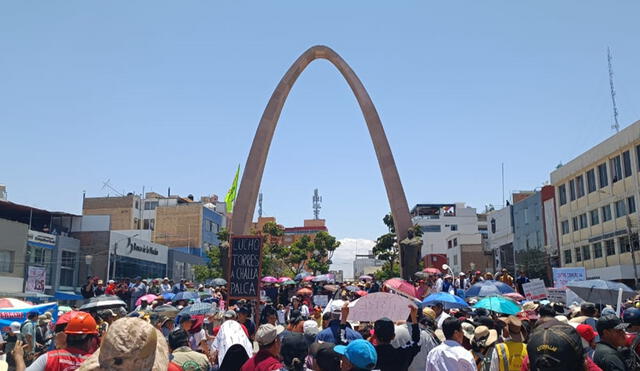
point(211, 224)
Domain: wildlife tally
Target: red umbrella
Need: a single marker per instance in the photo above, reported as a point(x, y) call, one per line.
point(65, 318)
point(402, 287)
point(149, 299)
point(305, 291)
point(308, 278)
point(361, 293)
point(432, 270)
point(514, 295)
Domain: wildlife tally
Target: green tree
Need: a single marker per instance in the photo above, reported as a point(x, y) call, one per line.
point(324, 245)
point(213, 269)
point(272, 250)
point(296, 255)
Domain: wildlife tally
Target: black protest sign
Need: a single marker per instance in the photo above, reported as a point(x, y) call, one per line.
point(245, 261)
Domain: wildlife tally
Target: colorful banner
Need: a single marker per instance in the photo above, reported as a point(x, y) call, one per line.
point(36, 279)
point(8, 315)
point(561, 276)
point(534, 290)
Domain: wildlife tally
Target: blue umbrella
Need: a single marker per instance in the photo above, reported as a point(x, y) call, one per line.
point(168, 295)
point(447, 300)
point(301, 275)
point(499, 304)
point(186, 295)
point(198, 308)
point(488, 288)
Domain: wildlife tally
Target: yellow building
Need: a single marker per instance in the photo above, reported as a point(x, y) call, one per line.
point(596, 205)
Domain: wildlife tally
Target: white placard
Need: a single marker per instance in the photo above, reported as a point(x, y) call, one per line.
point(380, 304)
point(561, 276)
point(557, 295)
point(534, 290)
point(36, 280)
point(321, 300)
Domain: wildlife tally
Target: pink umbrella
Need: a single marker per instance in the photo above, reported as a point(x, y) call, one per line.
point(514, 295)
point(402, 287)
point(284, 279)
point(432, 270)
point(14, 303)
point(361, 293)
point(269, 279)
point(149, 298)
point(308, 278)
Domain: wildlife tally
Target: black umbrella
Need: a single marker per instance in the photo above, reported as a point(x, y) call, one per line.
point(103, 302)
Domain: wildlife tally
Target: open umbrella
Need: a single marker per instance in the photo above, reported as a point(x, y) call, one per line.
point(308, 278)
point(284, 279)
point(488, 288)
point(421, 275)
point(365, 278)
point(198, 309)
point(103, 302)
point(361, 293)
point(65, 318)
point(13, 303)
point(168, 295)
point(331, 288)
point(166, 310)
point(402, 287)
point(269, 279)
point(600, 291)
point(499, 304)
point(290, 282)
point(431, 270)
point(515, 296)
point(305, 291)
point(301, 275)
point(149, 298)
point(447, 300)
point(218, 282)
point(323, 278)
point(185, 295)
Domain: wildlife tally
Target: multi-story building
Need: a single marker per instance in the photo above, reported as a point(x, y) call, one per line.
point(310, 228)
point(500, 237)
point(466, 252)
point(366, 264)
point(596, 195)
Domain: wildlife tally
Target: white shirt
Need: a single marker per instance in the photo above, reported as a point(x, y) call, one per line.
point(450, 356)
point(439, 284)
point(441, 319)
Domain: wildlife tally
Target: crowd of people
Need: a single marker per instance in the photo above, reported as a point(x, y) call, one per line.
point(288, 329)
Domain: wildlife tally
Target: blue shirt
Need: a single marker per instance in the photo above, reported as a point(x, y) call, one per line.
point(332, 333)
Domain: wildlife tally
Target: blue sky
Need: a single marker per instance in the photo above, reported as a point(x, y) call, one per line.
point(168, 94)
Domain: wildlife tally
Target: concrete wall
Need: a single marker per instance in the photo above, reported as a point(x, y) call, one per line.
point(13, 239)
point(465, 222)
point(121, 209)
point(179, 226)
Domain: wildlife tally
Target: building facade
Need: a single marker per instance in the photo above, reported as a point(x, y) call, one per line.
point(596, 197)
point(500, 238)
point(466, 252)
point(366, 264)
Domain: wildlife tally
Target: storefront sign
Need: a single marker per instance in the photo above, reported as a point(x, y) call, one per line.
point(41, 239)
point(534, 290)
point(136, 248)
point(561, 276)
point(36, 279)
point(245, 260)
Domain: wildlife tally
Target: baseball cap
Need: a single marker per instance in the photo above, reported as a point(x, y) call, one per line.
point(586, 332)
point(631, 316)
point(384, 328)
point(553, 345)
point(15, 326)
point(609, 322)
point(360, 353)
point(243, 310)
point(267, 333)
point(325, 356)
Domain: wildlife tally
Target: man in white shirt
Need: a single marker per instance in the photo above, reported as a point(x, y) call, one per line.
point(441, 315)
point(450, 355)
point(165, 287)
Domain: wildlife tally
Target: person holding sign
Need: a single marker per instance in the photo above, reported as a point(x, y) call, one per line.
point(390, 358)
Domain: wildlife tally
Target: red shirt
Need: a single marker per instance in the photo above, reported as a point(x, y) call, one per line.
point(262, 361)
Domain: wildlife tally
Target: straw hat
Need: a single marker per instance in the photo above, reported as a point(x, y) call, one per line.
point(130, 344)
point(484, 337)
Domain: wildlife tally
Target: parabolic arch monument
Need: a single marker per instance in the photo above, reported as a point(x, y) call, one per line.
point(245, 204)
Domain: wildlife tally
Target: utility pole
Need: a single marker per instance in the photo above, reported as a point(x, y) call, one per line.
point(615, 125)
point(633, 253)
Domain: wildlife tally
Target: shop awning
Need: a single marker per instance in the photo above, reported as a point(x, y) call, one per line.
point(67, 295)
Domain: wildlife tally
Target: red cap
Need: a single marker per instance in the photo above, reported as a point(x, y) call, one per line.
point(586, 332)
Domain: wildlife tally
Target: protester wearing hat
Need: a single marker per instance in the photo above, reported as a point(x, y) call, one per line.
point(183, 355)
point(358, 355)
point(165, 286)
point(267, 357)
point(612, 335)
point(632, 317)
point(441, 315)
point(554, 346)
point(243, 313)
point(43, 335)
point(12, 337)
point(450, 355)
point(323, 357)
point(510, 354)
point(81, 342)
point(482, 347)
point(388, 357)
point(588, 338)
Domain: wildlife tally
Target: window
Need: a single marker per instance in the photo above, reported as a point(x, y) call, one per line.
point(638, 156)
point(572, 189)
point(586, 252)
point(455, 242)
point(562, 194)
point(454, 227)
point(565, 226)
point(597, 250)
point(574, 221)
point(578, 254)
point(67, 268)
point(6, 261)
point(602, 175)
point(609, 247)
point(580, 186)
point(591, 181)
point(431, 228)
point(626, 163)
point(621, 210)
point(526, 215)
point(449, 244)
point(616, 169)
point(136, 204)
point(595, 220)
point(606, 213)
point(624, 244)
point(631, 204)
point(455, 260)
point(567, 256)
point(150, 205)
point(583, 221)
point(149, 224)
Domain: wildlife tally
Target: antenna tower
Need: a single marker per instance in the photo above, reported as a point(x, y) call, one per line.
point(317, 200)
point(260, 205)
point(615, 125)
point(107, 184)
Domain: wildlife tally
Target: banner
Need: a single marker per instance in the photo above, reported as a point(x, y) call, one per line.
point(321, 300)
point(380, 304)
point(534, 290)
point(245, 261)
point(8, 315)
point(36, 278)
point(561, 276)
point(557, 295)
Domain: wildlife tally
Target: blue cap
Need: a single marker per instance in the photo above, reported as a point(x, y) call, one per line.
point(360, 353)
